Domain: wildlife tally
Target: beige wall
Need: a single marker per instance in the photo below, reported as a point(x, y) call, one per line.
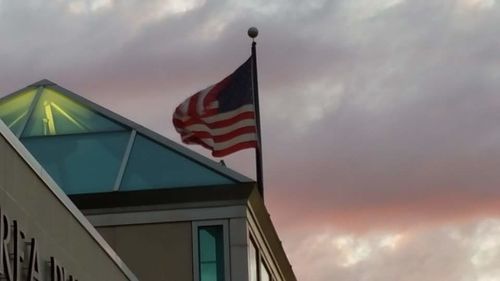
point(154, 252)
point(41, 215)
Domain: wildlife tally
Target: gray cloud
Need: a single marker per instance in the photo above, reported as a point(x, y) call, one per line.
point(414, 124)
point(449, 252)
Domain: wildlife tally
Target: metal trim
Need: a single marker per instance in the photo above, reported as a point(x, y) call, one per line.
point(126, 157)
point(195, 195)
point(161, 216)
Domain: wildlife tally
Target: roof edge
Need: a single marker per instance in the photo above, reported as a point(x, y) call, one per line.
point(42, 83)
point(162, 197)
point(263, 221)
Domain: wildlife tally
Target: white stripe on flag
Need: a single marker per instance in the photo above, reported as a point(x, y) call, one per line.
point(220, 131)
point(227, 144)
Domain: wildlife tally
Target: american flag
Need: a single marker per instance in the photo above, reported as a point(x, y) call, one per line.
point(222, 116)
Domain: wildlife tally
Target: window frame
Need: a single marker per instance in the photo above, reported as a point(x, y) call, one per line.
point(253, 241)
point(253, 244)
point(263, 263)
point(195, 225)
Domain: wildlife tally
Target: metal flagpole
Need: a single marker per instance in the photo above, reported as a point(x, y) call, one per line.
point(253, 32)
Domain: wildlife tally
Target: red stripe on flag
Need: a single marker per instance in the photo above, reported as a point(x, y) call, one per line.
point(192, 105)
point(234, 148)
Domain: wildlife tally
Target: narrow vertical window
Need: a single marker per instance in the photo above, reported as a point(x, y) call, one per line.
point(211, 253)
point(264, 272)
point(252, 261)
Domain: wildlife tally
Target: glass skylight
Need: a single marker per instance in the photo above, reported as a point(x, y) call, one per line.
point(86, 151)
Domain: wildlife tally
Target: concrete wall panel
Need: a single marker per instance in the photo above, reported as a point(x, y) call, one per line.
point(154, 252)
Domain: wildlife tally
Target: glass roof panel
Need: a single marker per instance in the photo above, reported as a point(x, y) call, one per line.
point(152, 165)
point(56, 114)
point(82, 163)
point(14, 110)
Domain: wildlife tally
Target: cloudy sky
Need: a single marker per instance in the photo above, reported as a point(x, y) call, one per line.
point(381, 118)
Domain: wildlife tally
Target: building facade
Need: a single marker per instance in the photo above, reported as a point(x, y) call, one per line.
point(161, 209)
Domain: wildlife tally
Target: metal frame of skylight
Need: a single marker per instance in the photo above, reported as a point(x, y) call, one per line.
point(126, 157)
point(33, 104)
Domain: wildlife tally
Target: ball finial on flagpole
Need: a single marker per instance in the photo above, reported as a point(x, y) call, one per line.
point(253, 32)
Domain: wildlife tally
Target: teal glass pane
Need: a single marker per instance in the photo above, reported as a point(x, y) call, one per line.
point(208, 272)
point(211, 253)
point(86, 163)
point(14, 110)
point(152, 165)
point(56, 114)
point(208, 242)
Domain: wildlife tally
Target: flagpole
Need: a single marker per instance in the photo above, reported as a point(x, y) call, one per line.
point(253, 32)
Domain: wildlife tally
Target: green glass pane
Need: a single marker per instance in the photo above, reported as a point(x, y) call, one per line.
point(211, 253)
point(14, 110)
point(56, 114)
point(86, 163)
point(152, 165)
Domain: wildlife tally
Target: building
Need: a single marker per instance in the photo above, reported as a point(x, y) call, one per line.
point(162, 210)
